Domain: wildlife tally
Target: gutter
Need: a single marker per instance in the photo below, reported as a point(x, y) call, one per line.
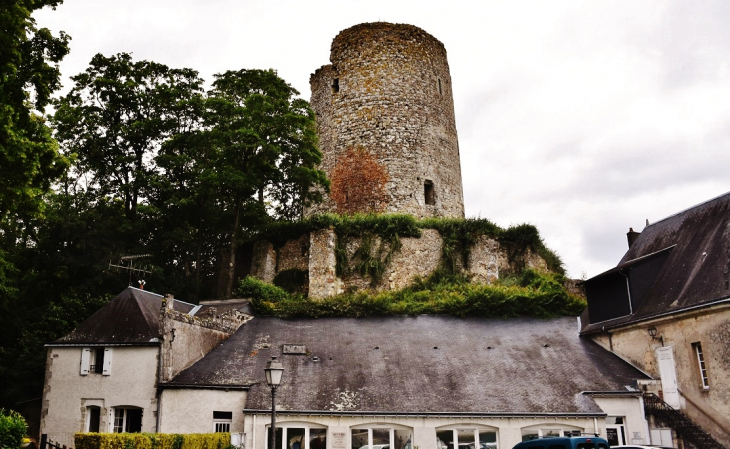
point(428, 414)
point(603, 328)
point(172, 386)
point(86, 345)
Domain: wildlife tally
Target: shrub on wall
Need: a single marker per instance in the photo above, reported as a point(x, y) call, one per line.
point(531, 293)
point(152, 441)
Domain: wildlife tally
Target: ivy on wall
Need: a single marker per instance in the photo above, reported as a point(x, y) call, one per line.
point(531, 293)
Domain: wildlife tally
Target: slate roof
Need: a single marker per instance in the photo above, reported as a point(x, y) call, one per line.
point(132, 317)
point(428, 364)
point(696, 243)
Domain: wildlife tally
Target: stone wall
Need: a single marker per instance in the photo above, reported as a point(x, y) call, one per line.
point(417, 257)
point(388, 93)
point(708, 407)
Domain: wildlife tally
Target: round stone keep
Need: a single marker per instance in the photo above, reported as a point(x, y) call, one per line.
point(385, 117)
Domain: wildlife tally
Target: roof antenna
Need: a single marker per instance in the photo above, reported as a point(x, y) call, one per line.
point(126, 263)
point(141, 284)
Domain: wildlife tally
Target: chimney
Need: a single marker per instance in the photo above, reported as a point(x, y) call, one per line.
point(169, 299)
point(631, 236)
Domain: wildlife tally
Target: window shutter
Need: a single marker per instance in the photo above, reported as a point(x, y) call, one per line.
point(85, 357)
point(107, 362)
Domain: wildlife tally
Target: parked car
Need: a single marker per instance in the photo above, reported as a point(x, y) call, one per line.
point(584, 442)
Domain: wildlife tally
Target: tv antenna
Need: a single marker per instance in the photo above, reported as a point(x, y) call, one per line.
point(127, 263)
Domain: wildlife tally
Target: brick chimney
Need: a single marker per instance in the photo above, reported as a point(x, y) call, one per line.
point(631, 236)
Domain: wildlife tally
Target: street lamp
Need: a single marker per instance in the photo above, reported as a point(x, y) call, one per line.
point(274, 370)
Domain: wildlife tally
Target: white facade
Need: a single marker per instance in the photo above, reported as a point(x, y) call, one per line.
point(192, 410)
point(73, 392)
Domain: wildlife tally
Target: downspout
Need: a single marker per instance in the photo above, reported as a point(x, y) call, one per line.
point(253, 433)
point(595, 426)
point(159, 387)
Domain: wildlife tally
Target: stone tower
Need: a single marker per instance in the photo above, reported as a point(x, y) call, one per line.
point(385, 116)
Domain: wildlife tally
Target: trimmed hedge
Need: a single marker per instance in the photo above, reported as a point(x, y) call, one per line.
point(152, 440)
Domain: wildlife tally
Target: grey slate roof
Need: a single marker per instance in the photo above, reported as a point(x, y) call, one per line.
point(430, 364)
point(695, 271)
point(132, 317)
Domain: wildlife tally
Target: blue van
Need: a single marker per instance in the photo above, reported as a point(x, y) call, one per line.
point(564, 443)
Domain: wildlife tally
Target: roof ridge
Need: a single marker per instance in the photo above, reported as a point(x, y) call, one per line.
point(688, 209)
point(154, 326)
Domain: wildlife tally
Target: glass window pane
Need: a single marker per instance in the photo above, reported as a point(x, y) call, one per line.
point(359, 439)
point(466, 438)
point(317, 439)
point(279, 435)
point(402, 439)
point(118, 420)
point(381, 438)
point(294, 438)
point(550, 432)
point(528, 435)
point(445, 439)
point(487, 440)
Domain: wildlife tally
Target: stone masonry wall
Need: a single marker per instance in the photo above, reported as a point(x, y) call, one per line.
point(388, 92)
point(418, 257)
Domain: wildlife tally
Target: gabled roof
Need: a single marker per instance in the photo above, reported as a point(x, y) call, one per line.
point(690, 252)
point(133, 317)
point(428, 364)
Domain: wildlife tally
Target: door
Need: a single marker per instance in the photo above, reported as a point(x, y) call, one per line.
point(665, 360)
point(615, 431)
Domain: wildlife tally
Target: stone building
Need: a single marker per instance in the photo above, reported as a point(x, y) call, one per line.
point(665, 308)
point(433, 382)
point(385, 117)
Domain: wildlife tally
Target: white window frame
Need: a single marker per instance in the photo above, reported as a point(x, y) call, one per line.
point(560, 428)
point(113, 421)
point(391, 427)
point(475, 430)
point(701, 364)
point(88, 354)
point(222, 424)
point(292, 425)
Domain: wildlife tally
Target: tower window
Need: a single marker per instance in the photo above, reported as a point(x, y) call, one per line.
point(428, 193)
point(440, 91)
point(335, 85)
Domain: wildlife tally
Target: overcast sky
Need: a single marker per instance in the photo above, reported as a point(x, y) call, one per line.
point(583, 118)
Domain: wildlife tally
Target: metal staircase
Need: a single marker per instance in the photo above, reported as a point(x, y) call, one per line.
point(690, 433)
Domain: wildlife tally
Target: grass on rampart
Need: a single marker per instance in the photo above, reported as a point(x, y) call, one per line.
point(532, 293)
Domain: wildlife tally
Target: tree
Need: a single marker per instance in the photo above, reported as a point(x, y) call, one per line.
point(115, 119)
point(29, 158)
point(12, 429)
point(263, 152)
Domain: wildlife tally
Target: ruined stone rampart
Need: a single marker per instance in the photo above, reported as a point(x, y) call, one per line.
point(416, 257)
point(387, 97)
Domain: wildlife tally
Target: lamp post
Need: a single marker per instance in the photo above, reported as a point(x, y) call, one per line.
point(274, 370)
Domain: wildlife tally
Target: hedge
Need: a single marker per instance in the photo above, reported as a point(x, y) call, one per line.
point(152, 440)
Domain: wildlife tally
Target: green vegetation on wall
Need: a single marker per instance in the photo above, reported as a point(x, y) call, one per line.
point(531, 293)
point(379, 239)
point(152, 441)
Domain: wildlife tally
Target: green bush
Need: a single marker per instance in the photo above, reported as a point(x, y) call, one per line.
point(12, 429)
point(531, 293)
point(152, 441)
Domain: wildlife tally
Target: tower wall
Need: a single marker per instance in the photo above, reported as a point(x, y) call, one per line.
point(386, 101)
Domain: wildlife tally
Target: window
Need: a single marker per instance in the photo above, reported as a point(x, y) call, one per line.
point(550, 430)
point(381, 437)
point(93, 418)
point(466, 438)
point(96, 360)
point(298, 436)
point(335, 85)
point(701, 363)
point(222, 421)
point(428, 193)
point(615, 430)
point(127, 419)
point(440, 91)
